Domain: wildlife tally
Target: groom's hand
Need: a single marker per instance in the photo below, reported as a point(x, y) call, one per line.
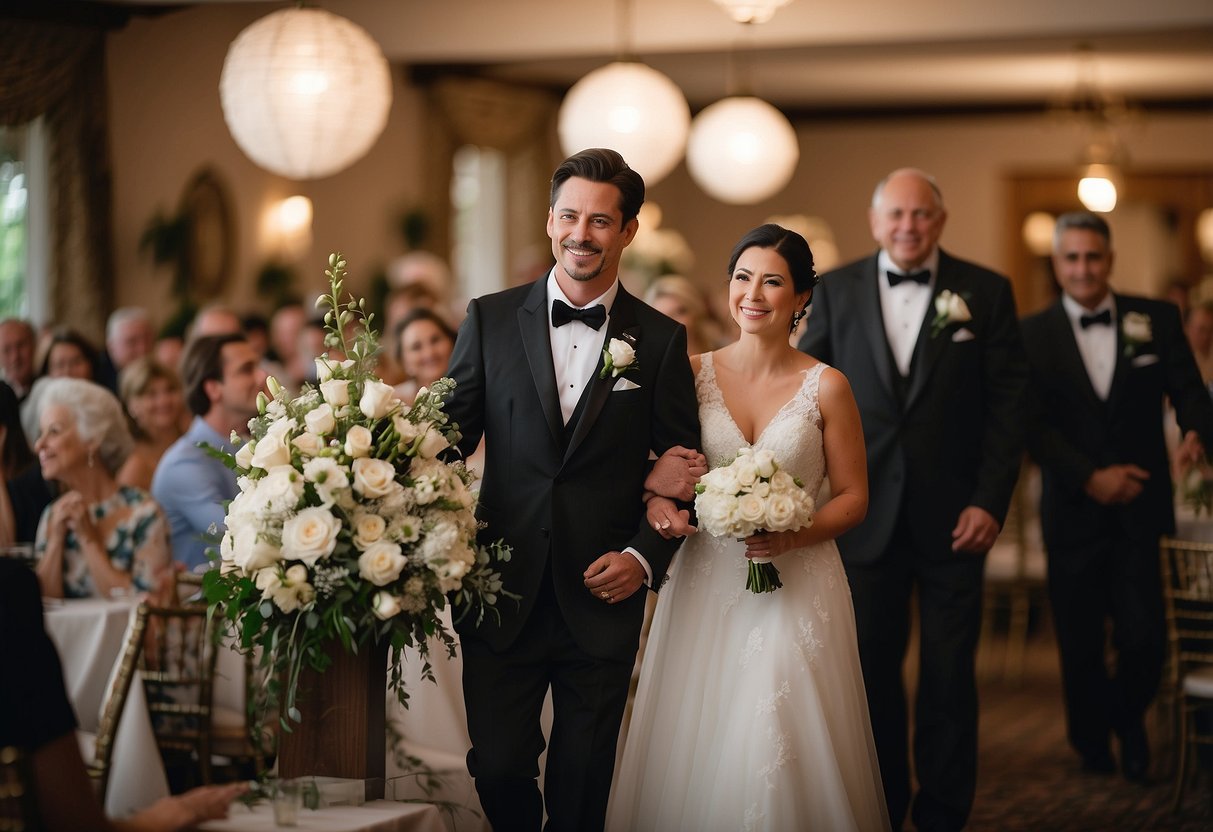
point(675, 473)
point(614, 577)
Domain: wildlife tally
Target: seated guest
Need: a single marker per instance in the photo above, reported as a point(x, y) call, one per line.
point(422, 343)
point(221, 378)
point(68, 354)
point(97, 537)
point(214, 319)
point(128, 335)
point(15, 458)
point(28, 492)
point(152, 395)
point(677, 297)
point(1198, 327)
point(17, 344)
point(37, 719)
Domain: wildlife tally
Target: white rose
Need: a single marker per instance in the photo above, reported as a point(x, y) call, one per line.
point(368, 528)
point(715, 511)
point(385, 605)
point(958, 310)
point(277, 492)
point(1137, 327)
point(308, 444)
point(751, 508)
point(407, 430)
point(781, 512)
point(310, 535)
point(244, 456)
point(723, 480)
point(622, 355)
point(381, 563)
point(378, 399)
point(326, 367)
point(321, 420)
point(358, 441)
point(764, 461)
point(433, 444)
point(745, 470)
point(271, 450)
point(782, 483)
point(336, 391)
point(252, 552)
point(373, 477)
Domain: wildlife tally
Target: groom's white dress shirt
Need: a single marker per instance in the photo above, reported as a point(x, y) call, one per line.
point(575, 351)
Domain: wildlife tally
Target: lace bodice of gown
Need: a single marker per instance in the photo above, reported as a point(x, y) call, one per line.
point(793, 435)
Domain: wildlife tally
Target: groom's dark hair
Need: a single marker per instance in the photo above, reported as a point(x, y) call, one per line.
point(599, 164)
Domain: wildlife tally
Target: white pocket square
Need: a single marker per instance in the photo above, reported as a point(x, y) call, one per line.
point(1144, 360)
point(962, 334)
point(624, 383)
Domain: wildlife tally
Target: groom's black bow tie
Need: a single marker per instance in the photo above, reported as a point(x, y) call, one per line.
point(593, 317)
point(1103, 318)
point(922, 276)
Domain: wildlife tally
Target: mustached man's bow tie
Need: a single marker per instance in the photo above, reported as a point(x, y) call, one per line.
point(593, 317)
point(922, 276)
point(1103, 318)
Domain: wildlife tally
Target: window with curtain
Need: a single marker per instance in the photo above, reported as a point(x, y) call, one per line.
point(14, 227)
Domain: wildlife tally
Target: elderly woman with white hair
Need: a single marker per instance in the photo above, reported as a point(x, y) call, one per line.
point(97, 538)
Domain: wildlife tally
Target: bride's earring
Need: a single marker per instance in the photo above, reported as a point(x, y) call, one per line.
point(796, 319)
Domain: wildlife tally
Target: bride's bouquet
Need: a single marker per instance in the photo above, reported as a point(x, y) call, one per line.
point(348, 526)
point(748, 495)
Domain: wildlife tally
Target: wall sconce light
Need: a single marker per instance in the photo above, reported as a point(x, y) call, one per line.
point(288, 227)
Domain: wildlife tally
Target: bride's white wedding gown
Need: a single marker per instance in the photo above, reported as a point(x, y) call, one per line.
point(751, 712)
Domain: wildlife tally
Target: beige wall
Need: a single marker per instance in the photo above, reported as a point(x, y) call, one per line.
point(166, 123)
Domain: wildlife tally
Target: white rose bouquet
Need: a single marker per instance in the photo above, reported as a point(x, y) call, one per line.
point(348, 526)
point(748, 495)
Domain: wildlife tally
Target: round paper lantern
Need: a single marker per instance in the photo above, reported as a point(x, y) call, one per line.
point(305, 92)
point(630, 108)
point(742, 150)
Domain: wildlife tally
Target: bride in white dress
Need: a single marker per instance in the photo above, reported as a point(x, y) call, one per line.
point(751, 713)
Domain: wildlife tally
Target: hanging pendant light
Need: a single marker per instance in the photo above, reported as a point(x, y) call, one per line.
point(631, 108)
point(742, 150)
point(751, 11)
point(305, 93)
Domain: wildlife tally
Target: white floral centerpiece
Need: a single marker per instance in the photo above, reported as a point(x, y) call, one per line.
point(751, 494)
point(348, 526)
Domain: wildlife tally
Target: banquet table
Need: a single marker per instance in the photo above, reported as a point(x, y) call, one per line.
point(89, 635)
point(376, 816)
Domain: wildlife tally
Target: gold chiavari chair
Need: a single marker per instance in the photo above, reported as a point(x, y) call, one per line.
point(1187, 576)
point(115, 702)
point(18, 809)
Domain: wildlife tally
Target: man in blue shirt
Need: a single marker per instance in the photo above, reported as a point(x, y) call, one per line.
point(221, 377)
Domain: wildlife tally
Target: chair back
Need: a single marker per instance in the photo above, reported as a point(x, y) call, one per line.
point(1187, 582)
point(178, 670)
point(18, 809)
point(115, 701)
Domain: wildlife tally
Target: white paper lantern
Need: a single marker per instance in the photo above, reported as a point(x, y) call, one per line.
point(631, 108)
point(305, 92)
point(742, 150)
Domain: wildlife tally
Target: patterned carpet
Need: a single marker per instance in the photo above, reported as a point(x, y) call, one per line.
point(1029, 779)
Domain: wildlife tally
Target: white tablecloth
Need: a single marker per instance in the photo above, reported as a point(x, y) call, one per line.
point(1189, 526)
point(376, 816)
point(90, 634)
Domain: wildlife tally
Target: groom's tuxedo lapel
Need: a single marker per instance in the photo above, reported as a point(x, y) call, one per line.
point(1123, 362)
point(537, 342)
point(622, 320)
point(873, 323)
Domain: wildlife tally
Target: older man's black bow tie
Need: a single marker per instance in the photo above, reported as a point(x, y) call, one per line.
point(1103, 318)
point(922, 276)
point(593, 317)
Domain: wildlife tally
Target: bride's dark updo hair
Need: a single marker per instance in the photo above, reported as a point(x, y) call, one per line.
point(787, 244)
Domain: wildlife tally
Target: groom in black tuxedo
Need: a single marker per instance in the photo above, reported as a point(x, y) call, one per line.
point(567, 445)
point(931, 346)
point(1102, 364)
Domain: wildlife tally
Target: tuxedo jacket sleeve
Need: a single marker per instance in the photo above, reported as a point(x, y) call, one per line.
point(955, 437)
point(561, 497)
point(1073, 432)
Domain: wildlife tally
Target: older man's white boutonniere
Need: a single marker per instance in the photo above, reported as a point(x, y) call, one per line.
point(1137, 330)
point(950, 308)
point(618, 357)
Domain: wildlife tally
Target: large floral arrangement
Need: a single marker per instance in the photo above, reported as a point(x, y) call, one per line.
point(751, 494)
point(348, 526)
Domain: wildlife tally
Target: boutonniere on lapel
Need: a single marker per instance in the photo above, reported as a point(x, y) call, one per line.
point(1136, 329)
point(618, 356)
point(950, 308)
